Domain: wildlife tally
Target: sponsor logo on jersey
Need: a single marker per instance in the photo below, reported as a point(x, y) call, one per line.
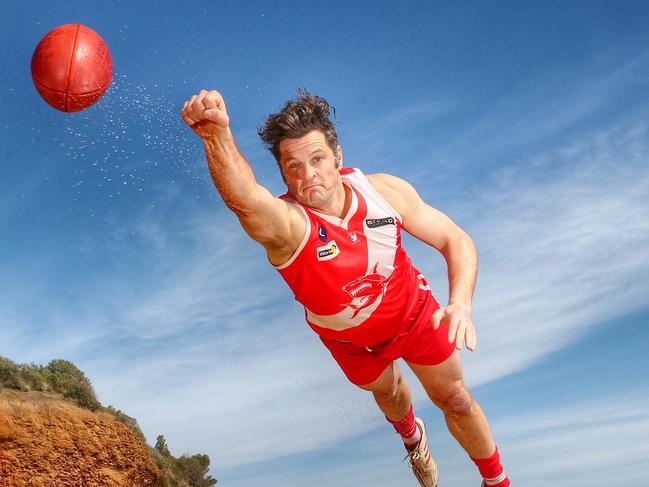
point(328, 252)
point(322, 233)
point(379, 222)
point(366, 290)
point(353, 237)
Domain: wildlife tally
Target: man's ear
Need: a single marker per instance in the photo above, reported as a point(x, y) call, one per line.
point(339, 157)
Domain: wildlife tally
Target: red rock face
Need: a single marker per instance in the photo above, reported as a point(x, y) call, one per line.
point(71, 67)
point(49, 441)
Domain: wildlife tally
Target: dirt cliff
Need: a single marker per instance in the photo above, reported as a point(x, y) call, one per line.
point(48, 441)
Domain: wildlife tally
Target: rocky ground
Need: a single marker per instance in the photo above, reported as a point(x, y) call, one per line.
point(48, 441)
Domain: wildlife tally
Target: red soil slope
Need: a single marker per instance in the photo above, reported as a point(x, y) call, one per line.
point(49, 441)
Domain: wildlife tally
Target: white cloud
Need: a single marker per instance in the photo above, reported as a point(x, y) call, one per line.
point(599, 443)
point(561, 256)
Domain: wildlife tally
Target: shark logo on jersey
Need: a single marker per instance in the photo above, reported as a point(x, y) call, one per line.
point(366, 290)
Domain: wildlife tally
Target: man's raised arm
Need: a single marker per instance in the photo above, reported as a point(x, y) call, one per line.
point(268, 220)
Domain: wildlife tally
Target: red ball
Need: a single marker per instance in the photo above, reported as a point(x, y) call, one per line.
point(72, 67)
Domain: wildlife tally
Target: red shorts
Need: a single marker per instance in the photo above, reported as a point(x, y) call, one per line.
point(418, 343)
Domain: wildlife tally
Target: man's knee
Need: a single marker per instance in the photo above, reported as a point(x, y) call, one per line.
point(457, 402)
point(389, 391)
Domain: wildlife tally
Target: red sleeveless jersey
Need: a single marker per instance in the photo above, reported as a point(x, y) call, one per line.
point(352, 275)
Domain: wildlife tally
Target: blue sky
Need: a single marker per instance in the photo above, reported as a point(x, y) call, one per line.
point(526, 122)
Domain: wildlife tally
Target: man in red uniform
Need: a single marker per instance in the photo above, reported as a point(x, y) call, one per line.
point(335, 237)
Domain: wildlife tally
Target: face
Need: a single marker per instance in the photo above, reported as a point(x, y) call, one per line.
point(309, 168)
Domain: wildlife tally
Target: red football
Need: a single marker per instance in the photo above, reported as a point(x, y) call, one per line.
point(72, 67)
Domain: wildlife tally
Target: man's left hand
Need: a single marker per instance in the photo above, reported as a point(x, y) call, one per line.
point(460, 326)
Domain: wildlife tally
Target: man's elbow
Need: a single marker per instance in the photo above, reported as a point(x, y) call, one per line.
point(459, 242)
point(241, 211)
point(467, 242)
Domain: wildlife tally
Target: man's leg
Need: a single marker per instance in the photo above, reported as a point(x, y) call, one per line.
point(392, 394)
point(466, 421)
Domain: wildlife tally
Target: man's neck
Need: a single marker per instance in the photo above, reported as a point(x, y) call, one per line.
point(339, 203)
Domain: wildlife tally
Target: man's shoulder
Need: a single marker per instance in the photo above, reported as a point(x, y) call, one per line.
point(356, 176)
point(396, 191)
point(382, 180)
point(384, 183)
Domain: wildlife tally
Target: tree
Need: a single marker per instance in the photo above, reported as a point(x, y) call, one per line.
point(161, 446)
point(195, 469)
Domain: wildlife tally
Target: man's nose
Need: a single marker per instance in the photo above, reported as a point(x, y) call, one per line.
point(309, 172)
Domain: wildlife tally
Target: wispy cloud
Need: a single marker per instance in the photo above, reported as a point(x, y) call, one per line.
point(564, 254)
point(600, 442)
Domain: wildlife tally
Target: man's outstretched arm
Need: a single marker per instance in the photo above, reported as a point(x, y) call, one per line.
point(438, 230)
point(267, 219)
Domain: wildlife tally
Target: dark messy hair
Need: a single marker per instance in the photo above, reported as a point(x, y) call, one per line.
point(301, 115)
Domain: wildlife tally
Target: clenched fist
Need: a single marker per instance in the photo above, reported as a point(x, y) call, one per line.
point(206, 114)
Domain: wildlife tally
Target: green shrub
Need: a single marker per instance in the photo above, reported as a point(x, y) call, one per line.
point(32, 376)
point(67, 368)
point(8, 374)
point(85, 397)
point(127, 420)
point(195, 469)
point(66, 379)
point(60, 376)
point(181, 472)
